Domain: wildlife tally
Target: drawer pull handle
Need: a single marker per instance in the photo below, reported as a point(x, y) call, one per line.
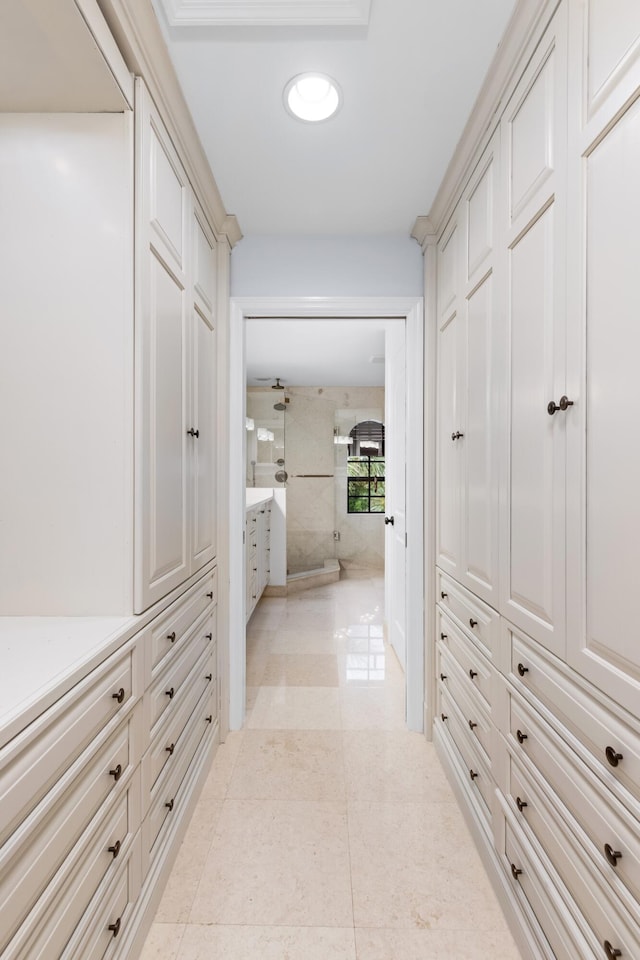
point(208, 636)
point(612, 855)
point(171, 636)
point(119, 696)
point(115, 927)
point(209, 677)
point(521, 737)
point(521, 804)
point(210, 595)
point(193, 433)
point(170, 693)
point(169, 805)
point(443, 717)
point(443, 676)
point(522, 669)
point(255, 569)
point(208, 719)
point(170, 749)
point(457, 435)
point(117, 773)
point(472, 724)
point(564, 404)
point(613, 757)
point(115, 849)
point(473, 774)
point(610, 951)
point(515, 871)
point(443, 636)
point(472, 623)
point(473, 673)
point(443, 595)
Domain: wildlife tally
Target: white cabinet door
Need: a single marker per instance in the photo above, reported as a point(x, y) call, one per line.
point(162, 359)
point(604, 472)
point(533, 141)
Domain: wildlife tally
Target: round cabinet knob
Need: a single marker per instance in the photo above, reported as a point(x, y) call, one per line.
point(443, 676)
point(457, 435)
point(119, 696)
point(209, 677)
point(613, 758)
point(170, 693)
point(170, 749)
point(193, 433)
point(564, 404)
point(443, 636)
point(611, 951)
point(390, 520)
point(473, 673)
point(169, 805)
point(473, 774)
point(209, 719)
point(612, 855)
point(520, 736)
point(443, 595)
point(210, 595)
point(115, 849)
point(472, 623)
point(472, 724)
point(443, 717)
point(116, 773)
point(115, 927)
point(521, 804)
point(522, 669)
point(515, 871)
point(171, 636)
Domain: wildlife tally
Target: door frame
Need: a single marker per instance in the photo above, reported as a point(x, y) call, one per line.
point(411, 311)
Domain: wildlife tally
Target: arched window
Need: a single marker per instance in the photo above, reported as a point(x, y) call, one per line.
point(365, 468)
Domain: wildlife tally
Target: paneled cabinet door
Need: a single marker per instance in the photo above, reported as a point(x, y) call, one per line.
point(532, 502)
point(604, 346)
point(162, 360)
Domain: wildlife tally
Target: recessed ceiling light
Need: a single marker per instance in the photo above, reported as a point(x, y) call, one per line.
point(312, 97)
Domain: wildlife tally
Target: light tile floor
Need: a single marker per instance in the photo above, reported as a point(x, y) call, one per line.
point(327, 831)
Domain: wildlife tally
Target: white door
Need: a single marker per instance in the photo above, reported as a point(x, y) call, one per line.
point(395, 490)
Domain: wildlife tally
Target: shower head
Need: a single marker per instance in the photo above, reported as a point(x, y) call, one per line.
point(279, 406)
point(277, 385)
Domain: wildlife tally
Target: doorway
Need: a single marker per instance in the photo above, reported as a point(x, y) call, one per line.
point(409, 313)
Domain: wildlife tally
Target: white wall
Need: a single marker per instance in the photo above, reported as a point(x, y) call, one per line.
point(386, 266)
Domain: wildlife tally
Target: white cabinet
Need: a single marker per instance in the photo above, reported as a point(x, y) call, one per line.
point(176, 382)
point(257, 551)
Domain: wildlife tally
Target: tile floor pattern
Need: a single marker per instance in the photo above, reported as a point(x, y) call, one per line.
point(327, 831)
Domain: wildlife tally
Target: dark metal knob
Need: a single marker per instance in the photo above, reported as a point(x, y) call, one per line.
point(208, 719)
point(443, 636)
point(521, 804)
point(443, 717)
point(119, 696)
point(209, 677)
point(171, 636)
point(115, 849)
point(564, 404)
point(389, 520)
point(521, 737)
point(473, 774)
point(457, 435)
point(515, 871)
point(610, 951)
point(210, 595)
point(612, 757)
point(443, 676)
point(169, 805)
point(170, 749)
point(472, 724)
point(170, 693)
point(472, 623)
point(117, 773)
point(522, 669)
point(115, 927)
point(473, 673)
point(193, 433)
point(208, 636)
point(612, 855)
point(443, 595)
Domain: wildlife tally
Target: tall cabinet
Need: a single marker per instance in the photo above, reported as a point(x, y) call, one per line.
point(537, 549)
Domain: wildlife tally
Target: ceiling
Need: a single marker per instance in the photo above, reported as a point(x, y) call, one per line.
point(410, 71)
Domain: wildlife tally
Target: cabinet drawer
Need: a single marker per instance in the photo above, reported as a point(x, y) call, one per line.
point(478, 619)
point(36, 851)
point(594, 811)
point(470, 661)
point(612, 748)
point(170, 688)
point(170, 631)
point(471, 768)
point(467, 699)
point(559, 936)
point(57, 914)
point(37, 758)
point(589, 890)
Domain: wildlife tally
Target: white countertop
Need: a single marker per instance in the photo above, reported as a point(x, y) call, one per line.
point(256, 495)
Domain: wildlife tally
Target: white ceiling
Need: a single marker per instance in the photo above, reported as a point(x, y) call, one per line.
point(409, 81)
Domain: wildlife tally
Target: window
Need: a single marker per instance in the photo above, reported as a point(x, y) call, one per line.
point(365, 468)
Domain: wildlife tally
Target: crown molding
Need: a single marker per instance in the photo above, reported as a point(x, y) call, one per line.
point(296, 13)
point(424, 232)
point(523, 29)
point(136, 30)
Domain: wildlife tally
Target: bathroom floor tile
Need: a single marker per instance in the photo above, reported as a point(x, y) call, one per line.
point(215, 787)
point(393, 765)
point(296, 708)
point(466, 943)
point(163, 942)
point(267, 943)
point(289, 765)
point(372, 708)
point(301, 670)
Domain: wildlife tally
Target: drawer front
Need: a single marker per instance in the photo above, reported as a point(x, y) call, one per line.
point(52, 923)
point(169, 689)
point(599, 814)
point(613, 746)
point(479, 619)
point(590, 892)
point(171, 631)
point(471, 767)
point(36, 759)
point(467, 699)
point(36, 851)
point(471, 662)
point(539, 899)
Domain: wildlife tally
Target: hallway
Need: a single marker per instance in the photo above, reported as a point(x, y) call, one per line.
point(326, 831)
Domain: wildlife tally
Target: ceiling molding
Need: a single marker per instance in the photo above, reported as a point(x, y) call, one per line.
point(283, 13)
point(424, 232)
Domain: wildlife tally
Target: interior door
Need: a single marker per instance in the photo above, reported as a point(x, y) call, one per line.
point(395, 489)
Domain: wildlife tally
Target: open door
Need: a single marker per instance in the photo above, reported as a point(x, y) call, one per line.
point(395, 490)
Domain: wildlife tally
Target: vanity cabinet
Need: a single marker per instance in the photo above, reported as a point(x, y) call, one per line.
point(257, 551)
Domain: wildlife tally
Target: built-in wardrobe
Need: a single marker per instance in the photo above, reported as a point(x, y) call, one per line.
point(115, 251)
point(531, 280)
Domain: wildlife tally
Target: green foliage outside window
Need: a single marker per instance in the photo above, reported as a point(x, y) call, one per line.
point(365, 484)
